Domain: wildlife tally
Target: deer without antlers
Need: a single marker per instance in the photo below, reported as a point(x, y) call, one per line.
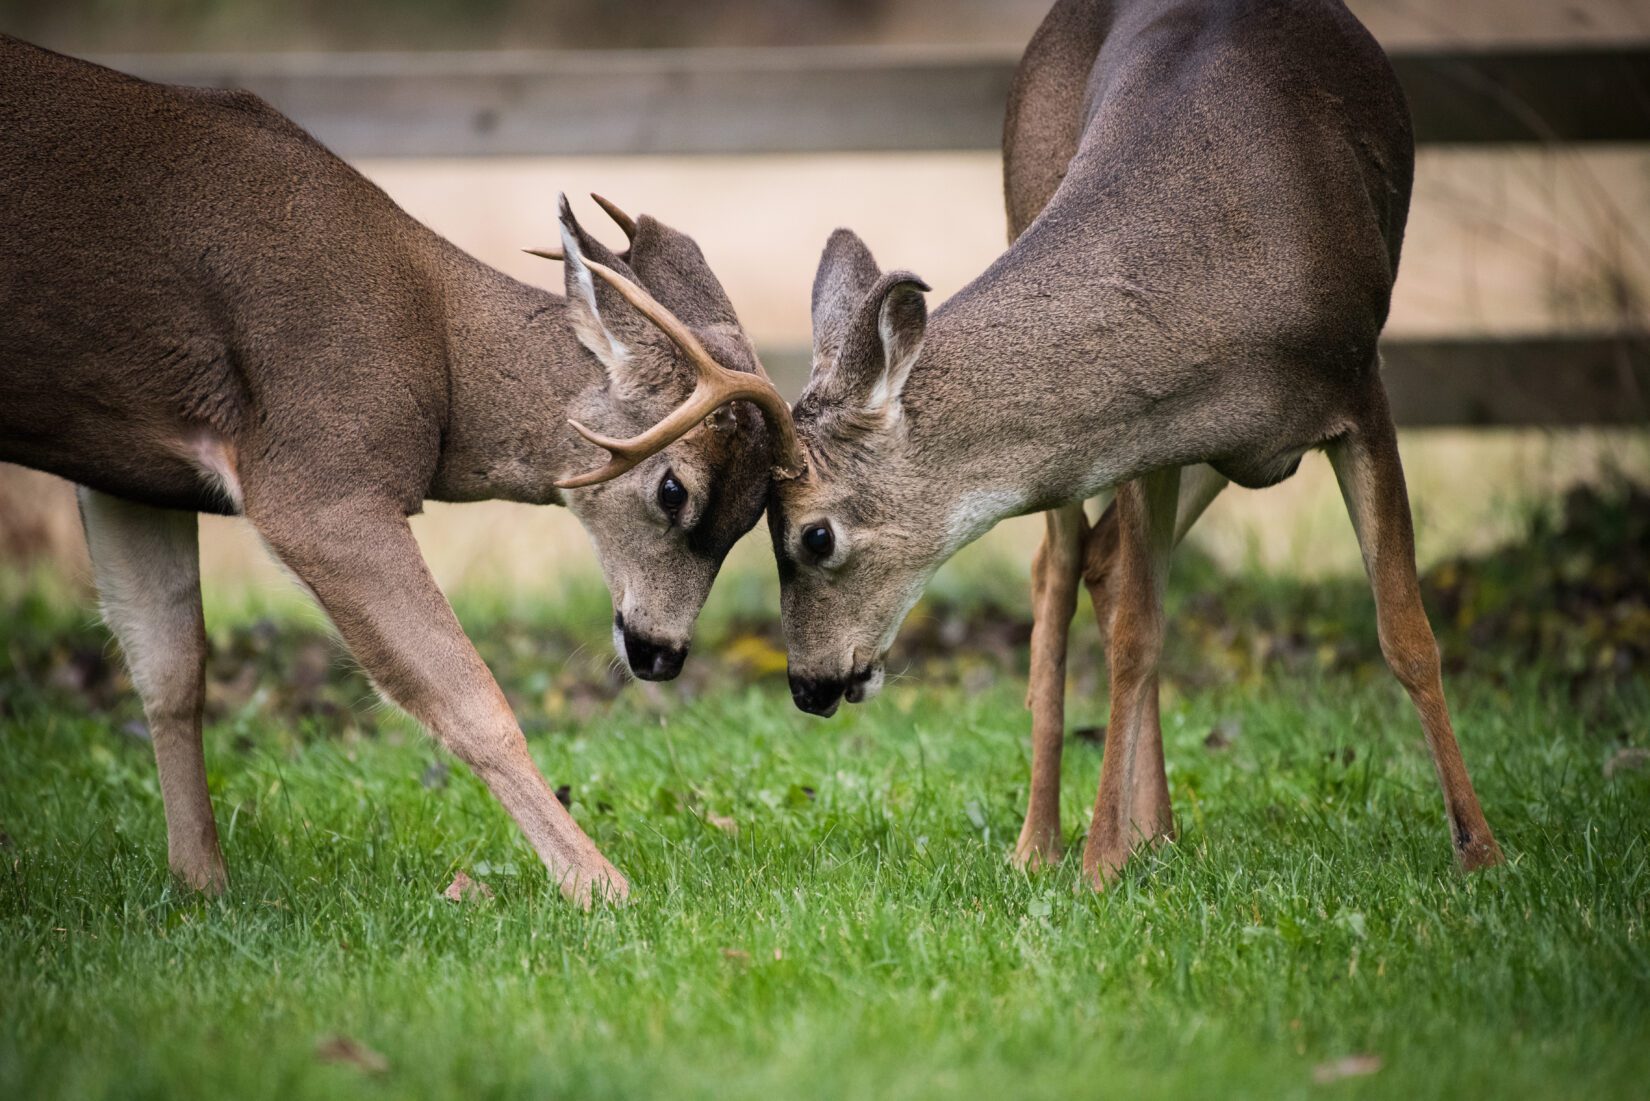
point(1209, 200)
point(206, 311)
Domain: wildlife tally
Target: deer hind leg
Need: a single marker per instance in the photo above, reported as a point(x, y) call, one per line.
point(1054, 601)
point(360, 560)
point(1131, 773)
point(1199, 486)
point(1372, 482)
point(148, 577)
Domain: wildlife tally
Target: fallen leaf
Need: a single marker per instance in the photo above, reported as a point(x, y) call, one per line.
point(757, 656)
point(1348, 1066)
point(1094, 735)
point(1624, 760)
point(463, 887)
point(1223, 734)
point(736, 954)
point(351, 1053)
point(723, 823)
point(778, 953)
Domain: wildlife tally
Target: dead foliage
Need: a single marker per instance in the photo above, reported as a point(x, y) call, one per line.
point(1572, 596)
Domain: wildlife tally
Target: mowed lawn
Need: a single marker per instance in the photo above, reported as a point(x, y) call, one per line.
point(824, 909)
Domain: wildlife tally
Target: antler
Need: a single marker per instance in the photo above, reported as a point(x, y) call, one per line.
point(716, 386)
point(625, 221)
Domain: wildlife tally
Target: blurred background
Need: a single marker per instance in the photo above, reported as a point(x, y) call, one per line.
point(1510, 241)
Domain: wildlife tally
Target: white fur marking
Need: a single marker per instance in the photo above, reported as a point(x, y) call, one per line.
point(216, 461)
point(897, 361)
point(978, 512)
point(611, 350)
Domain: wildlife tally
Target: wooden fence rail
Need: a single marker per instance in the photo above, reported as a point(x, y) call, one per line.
point(1469, 382)
point(686, 102)
point(676, 102)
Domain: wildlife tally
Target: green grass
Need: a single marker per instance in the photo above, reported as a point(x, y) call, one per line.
point(861, 934)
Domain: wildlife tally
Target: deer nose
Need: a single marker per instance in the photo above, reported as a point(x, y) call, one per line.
point(651, 660)
point(817, 697)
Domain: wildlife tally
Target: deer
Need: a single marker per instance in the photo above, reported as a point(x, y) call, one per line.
point(206, 311)
point(1207, 203)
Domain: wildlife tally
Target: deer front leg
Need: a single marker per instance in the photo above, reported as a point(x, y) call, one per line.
point(1153, 813)
point(1371, 477)
point(148, 578)
point(1054, 600)
point(1145, 511)
point(363, 565)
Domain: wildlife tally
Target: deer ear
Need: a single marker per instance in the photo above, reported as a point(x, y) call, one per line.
point(881, 346)
point(847, 271)
point(902, 325)
point(637, 358)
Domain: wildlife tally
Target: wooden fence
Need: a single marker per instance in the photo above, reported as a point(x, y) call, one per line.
point(689, 102)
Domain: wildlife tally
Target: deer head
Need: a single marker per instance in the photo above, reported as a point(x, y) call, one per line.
point(858, 539)
point(692, 427)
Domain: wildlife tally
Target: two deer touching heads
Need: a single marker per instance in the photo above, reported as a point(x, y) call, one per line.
point(699, 441)
point(1206, 206)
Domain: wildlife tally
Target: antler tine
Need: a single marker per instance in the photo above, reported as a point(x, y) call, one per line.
point(715, 387)
point(551, 253)
point(625, 221)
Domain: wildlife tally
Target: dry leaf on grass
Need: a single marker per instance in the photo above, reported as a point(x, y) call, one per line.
point(1624, 760)
point(737, 954)
point(351, 1053)
point(722, 822)
point(1348, 1066)
point(1093, 735)
point(1223, 734)
point(463, 888)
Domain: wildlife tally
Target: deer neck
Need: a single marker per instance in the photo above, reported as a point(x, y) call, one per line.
point(1021, 402)
point(515, 370)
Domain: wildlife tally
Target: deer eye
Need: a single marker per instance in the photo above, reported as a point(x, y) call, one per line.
point(672, 494)
point(818, 541)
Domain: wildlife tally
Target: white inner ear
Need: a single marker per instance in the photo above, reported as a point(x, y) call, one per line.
point(586, 317)
point(899, 352)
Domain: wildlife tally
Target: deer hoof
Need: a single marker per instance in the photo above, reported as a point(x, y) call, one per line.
point(1036, 850)
point(1478, 855)
point(602, 883)
point(205, 874)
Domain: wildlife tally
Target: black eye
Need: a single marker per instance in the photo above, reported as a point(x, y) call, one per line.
point(672, 494)
point(818, 540)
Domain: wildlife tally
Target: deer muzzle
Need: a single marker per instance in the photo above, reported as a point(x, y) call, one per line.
point(821, 695)
point(649, 659)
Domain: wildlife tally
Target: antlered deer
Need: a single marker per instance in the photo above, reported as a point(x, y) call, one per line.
point(206, 311)
point(1213, 198)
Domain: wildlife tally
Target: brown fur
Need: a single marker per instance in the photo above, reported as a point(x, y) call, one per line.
point(205, 310)
point(1206, 202)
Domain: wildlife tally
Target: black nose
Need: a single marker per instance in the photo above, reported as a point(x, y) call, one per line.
point(650, 660)
point(816, 697)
